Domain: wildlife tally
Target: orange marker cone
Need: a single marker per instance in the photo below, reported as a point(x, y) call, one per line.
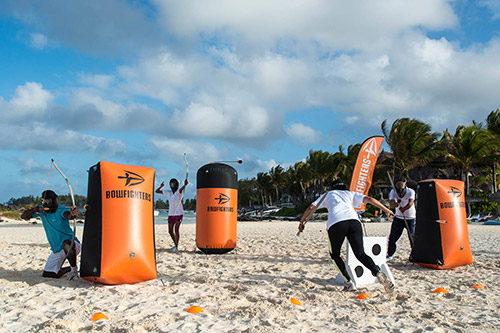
point(194, 309)
point(477, 286)
point(440, 290)
point(362, 296)
point(99, 316)
point(295, 301)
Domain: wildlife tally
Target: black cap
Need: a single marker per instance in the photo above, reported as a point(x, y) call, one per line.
point(339, 185)
point(49, 194)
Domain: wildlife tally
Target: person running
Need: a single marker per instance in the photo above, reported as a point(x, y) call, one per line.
point(403, 199)
point(55, 219)
point(175, 209)
point(343, 222)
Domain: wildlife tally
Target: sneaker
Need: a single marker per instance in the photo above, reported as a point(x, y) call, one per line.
point(174, 250)
point(349, 286)
point(388, 285)
point(73, 276)
point(389, 259)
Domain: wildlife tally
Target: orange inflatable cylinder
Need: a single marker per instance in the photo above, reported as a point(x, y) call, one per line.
point(216, 208)
point(118, 236)
point(441, 234)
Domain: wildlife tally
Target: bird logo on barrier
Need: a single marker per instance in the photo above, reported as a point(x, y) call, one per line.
point(455, 192)
point(223, 199)
point(132, 178)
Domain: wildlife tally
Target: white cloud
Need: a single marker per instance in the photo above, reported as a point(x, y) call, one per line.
point(230, 70)
point(40, 137)
point(38, 41)
point(30, 166)
point(494, 6)
point(30, 99)
point(303, 134)
point(353, 24)
point(100, 81)
point(197, 151)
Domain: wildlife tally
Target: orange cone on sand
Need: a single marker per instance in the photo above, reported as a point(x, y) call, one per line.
point(194, 309)
point(477, 286)
point(295, 301)
point(440, 290)
point(98, 316)
point(362, 296)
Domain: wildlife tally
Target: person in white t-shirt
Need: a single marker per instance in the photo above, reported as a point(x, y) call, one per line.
point(175, 209)
point(343, 222)
point(403, 199)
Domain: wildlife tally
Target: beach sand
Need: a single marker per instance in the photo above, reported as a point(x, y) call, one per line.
point(249, 289)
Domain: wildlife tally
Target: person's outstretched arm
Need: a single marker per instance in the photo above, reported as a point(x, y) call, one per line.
point(158, 190)
point(304, 217)
point(376, 203)
point(183, 186)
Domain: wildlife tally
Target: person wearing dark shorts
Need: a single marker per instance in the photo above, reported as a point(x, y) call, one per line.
point(343, 222)
point(175, 209)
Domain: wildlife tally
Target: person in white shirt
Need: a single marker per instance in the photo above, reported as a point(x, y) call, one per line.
point(175, 209)
point(343, 222)
point(403, 199)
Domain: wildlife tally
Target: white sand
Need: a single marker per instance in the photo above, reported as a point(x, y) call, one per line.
point(249, 289)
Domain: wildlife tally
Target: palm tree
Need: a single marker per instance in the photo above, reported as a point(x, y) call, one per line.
point(321, 165)
point(264, 185)
point(412, 144)
point(277, 178)
point(303, 176)
point(470, 147)
point(346, 162)
point(493, 125)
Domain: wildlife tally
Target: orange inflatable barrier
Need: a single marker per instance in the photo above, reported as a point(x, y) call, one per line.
point(216, 208)
point(441, 234)
point(118, 236)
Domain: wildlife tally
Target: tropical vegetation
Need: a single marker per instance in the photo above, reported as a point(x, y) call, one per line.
point(470, 154)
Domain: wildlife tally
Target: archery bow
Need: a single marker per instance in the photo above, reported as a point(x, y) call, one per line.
point(181, 195)
point(73, 202)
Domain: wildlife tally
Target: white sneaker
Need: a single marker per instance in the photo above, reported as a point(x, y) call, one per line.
point(174, 250)
point(384, 280)
point(349, 286)
point(73, 276)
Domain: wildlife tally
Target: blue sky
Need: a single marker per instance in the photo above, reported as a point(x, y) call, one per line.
point(143, 82)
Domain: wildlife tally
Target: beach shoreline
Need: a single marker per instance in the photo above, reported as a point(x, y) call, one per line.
point(249, 288)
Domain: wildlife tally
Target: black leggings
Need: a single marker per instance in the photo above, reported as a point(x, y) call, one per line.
point(350, 229)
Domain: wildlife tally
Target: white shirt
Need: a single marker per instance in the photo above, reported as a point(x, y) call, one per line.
point(411, 212)
point(340, 205)
point(173, 203)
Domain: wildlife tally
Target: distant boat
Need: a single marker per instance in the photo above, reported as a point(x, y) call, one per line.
point(156, 212)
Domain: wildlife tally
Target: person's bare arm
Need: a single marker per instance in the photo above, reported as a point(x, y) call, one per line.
point(305, 216)
point(158, 190)
point(376, 203)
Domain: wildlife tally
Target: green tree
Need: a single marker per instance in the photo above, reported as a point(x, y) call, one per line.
point(277, 179)
point(493, 125)
point(471, 147)
point(412, 144)
point(264, 186)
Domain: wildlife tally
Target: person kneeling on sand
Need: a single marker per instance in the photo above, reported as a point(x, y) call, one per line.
point(343, 222)
point(55, 219)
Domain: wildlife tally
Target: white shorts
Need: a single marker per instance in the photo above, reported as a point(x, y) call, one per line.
point(55, 260)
